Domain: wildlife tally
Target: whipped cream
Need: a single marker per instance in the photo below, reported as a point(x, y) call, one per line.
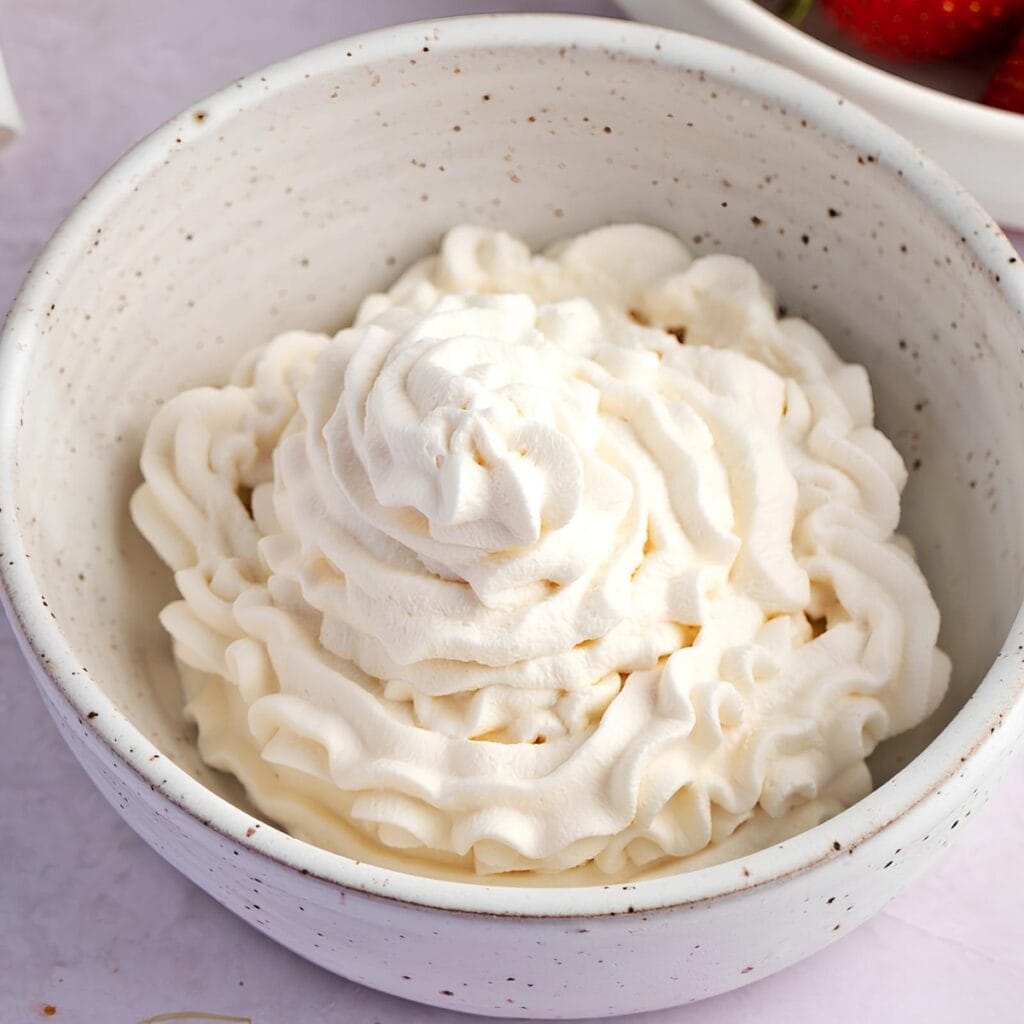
point(578, 566)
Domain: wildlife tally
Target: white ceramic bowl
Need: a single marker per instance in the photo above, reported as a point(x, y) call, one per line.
point(282, 200)
point(981, 146)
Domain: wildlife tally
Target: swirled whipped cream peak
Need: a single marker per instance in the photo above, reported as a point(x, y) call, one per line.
point(550, 569)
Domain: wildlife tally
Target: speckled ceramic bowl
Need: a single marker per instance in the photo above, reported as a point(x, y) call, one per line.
point(282, 200)
point(982, 146)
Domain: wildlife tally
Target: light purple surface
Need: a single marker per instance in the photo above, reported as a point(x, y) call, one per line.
point(97, 925)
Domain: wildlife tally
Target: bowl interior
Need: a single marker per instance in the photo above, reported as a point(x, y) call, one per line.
point(281, 203)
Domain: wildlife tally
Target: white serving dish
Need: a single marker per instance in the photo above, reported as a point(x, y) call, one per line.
point(283, 199)
point(980, 146)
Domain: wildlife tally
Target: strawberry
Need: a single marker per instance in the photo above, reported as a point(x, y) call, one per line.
point(1006, 87)
point(921, 29)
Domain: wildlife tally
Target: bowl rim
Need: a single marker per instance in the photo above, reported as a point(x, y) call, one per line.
point(974, 731)
point(858, 76)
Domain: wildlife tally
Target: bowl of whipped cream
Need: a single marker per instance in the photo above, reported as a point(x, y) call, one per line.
point(526, 511)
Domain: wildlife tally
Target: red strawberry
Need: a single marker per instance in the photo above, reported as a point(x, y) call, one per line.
point(923, 29)
point(1006, 87)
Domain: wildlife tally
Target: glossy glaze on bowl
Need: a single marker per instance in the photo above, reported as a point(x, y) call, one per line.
point(279, 203)
point(981, 146)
